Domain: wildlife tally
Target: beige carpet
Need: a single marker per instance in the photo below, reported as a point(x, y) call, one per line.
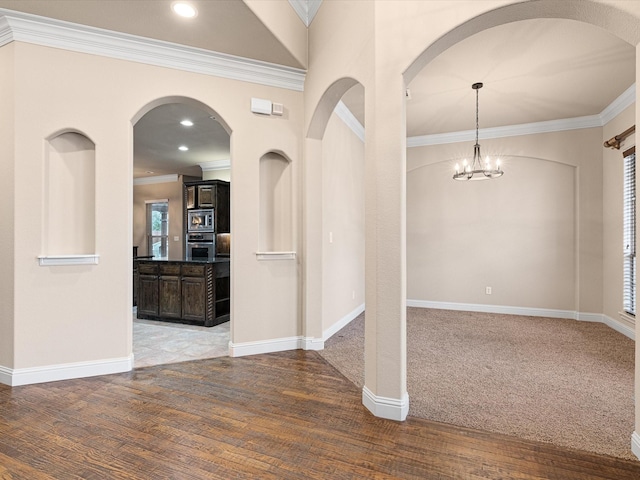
point(560, 381)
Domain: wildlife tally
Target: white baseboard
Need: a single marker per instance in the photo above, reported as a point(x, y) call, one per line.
point(635, 444)
point(312, 343)
point(292, 343)
point(509, 310)
point(343, 322)
point(265, 346)
point(52, 373)
point(534, 312)
point(384, 407)
point(618, 326)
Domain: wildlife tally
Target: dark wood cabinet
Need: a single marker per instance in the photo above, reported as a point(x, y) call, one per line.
point(194, 295)
point(210, 194)
point(188, 292)
point(223, 207)
point(169, 291)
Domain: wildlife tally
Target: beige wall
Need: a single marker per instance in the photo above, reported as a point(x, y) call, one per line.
point(88, 308)
point(7, 202)
point(343, 222)
point(171, 191)
point(284, 23)
point(515, 235)
point(537, 229)
point(612, 179)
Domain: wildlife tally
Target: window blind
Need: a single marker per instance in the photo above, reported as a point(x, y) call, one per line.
point(629, 234)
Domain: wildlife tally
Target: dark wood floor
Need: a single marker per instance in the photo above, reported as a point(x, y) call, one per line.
point(288, 415)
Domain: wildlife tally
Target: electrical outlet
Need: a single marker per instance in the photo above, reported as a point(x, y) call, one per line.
point(353, 295)
point(330, 237)
point(487, 290)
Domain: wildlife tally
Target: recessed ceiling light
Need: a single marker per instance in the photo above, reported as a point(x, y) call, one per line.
point(183, 148)
point(149, 171)
point(184, 9)
point(186, 123)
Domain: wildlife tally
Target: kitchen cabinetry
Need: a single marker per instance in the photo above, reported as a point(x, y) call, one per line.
point(147, 289)
point(169, 291)
point(210, 194)
point(182, 291)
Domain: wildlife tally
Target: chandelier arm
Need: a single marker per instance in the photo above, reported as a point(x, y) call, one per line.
point(482, 171)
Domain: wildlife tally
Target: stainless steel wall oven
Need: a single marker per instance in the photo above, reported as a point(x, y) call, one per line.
point(201, 246)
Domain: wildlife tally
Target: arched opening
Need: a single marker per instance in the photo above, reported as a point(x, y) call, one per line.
point(181, 214)
point(461, 280)
point(338, 127)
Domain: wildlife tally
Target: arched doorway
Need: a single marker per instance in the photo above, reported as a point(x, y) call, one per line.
point(516, 15)
point(177, 141)
point(335, 293)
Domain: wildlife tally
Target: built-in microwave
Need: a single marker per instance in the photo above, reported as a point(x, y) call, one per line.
point(200, 220)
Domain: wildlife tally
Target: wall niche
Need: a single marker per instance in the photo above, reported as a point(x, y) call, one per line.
point(69, 200)
point(276, 213)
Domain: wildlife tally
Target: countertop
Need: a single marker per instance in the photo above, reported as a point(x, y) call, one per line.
point(207, 261)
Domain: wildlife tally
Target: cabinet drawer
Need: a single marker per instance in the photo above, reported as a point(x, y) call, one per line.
point(193, 270)
point(147, 269)
point(170, 269)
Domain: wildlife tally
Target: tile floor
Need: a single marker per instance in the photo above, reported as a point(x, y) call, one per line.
point(157, 343)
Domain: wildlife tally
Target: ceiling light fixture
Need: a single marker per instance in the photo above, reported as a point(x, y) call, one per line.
point(184, 9)
point(186, 123)
point(476, 170)
point(183, 148)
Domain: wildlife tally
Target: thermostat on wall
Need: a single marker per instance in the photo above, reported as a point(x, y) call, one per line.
point(259, 105)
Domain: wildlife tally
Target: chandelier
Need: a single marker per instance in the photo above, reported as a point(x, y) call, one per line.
point(477, 170)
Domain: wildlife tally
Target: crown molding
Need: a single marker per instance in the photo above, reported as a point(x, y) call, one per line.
point(302, 10)
point(21, 27)
point(306, 9)
point(627, 98)
point(173, 177)
point(215, 165)
point(616, 107)
point(313, 6)
point(349, 119)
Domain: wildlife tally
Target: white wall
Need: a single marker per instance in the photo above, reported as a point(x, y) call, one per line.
point(343, 222)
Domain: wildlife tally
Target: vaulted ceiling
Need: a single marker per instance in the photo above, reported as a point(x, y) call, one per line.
point(533, 71)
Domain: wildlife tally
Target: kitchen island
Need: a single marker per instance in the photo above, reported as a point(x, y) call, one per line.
point(188, 291)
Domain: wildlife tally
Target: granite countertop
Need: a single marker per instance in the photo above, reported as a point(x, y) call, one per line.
point(215, 260)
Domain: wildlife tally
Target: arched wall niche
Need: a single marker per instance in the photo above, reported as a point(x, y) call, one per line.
point(276, 206)
point(70, 194)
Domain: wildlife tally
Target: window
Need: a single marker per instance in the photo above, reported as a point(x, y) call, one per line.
point(158, 229)
point(630, 234)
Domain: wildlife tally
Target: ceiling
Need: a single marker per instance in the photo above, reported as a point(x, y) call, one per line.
point(532, 70)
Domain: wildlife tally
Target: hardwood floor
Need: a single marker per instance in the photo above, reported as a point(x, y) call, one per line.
point(287, 415)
